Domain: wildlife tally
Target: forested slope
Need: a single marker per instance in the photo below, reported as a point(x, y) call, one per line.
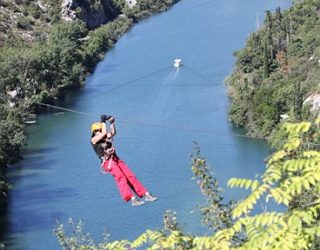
point(276, 75)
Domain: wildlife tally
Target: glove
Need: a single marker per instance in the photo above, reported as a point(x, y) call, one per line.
point(104, 118)
point(111, 119)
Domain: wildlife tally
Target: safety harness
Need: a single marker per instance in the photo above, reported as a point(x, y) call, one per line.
point(109, 144)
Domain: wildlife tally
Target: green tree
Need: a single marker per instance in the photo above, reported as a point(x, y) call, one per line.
point(215, 214)
point(298, 102)
point(265, 60)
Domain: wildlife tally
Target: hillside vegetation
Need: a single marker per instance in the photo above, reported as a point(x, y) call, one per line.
point(278, 70)
point(26, 20)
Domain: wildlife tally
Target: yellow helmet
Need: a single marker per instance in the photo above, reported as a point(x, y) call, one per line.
point(96, 126)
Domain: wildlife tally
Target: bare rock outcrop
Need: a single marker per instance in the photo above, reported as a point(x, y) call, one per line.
point(93, 13)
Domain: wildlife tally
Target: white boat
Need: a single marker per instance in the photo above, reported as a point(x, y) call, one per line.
point(177, 63)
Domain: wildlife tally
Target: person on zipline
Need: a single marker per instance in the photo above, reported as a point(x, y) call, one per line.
point(102, 143)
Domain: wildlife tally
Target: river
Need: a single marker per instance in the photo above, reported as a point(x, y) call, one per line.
point(158, 119)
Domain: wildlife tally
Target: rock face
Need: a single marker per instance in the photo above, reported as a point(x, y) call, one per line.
point(67, 13)
point(131, 3)
point(314, 101)
point(93, 13)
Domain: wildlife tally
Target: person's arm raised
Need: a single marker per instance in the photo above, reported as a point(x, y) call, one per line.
point(113, 131)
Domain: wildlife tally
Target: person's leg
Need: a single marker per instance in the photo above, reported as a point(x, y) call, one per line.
point(136, 185)
point(119, 178)
point(121, 181)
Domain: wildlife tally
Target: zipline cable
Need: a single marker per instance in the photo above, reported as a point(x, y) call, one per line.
point(119, 85)
point(4, 97)
point(138, 122)
point(200, 75)
point(66, 109)
point(132, 81)
point(204, 131)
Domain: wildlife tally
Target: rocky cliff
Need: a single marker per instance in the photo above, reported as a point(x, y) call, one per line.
point(27, 20)
point(93, 13)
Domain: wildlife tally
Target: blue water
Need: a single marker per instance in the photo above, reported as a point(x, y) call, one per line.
point(158, 119)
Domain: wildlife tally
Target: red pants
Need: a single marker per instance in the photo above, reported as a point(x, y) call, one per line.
point(124, 177)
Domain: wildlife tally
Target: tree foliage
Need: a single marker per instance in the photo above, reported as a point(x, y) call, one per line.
point(215, 214)
point(12, 139)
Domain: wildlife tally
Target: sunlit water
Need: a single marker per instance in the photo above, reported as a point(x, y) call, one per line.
point(158, 119)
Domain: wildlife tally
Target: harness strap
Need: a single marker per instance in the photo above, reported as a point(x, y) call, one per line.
point(102, 170)
point(110, 161)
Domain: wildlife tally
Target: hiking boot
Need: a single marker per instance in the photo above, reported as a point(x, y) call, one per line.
point(149, 197)
point(136, 202)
